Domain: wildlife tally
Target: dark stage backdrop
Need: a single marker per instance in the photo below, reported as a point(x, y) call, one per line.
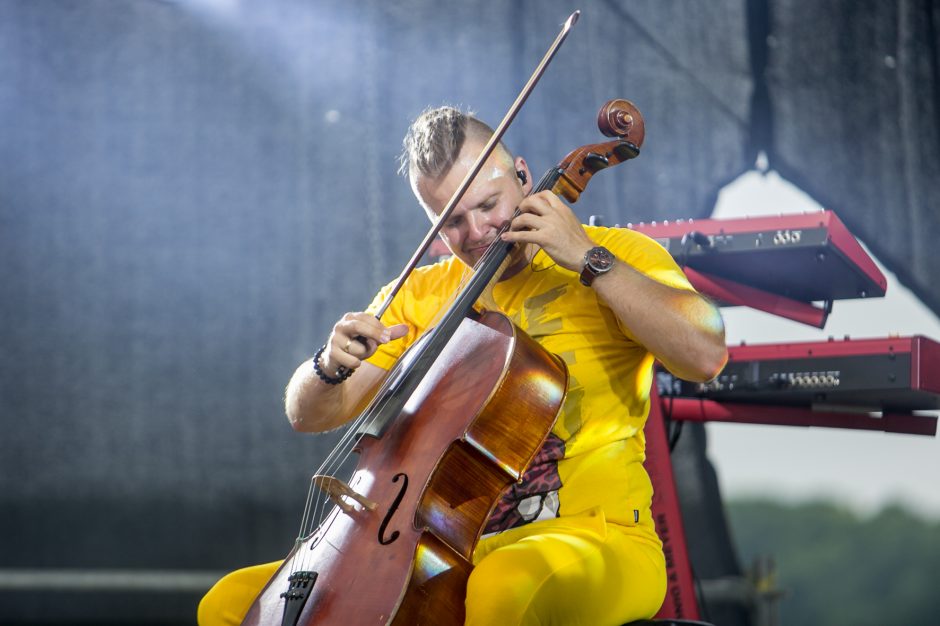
point(854, 120)
point(192, 191)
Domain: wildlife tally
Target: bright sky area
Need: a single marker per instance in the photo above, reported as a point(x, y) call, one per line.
point(864, 470)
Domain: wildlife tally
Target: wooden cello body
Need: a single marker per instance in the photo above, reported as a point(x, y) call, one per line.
point(399, 550)
point(459, 418)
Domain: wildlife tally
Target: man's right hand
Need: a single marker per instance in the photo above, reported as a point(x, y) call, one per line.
point(312, 405)
point(356, 337)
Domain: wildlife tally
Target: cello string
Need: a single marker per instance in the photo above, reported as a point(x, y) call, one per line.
point(312, 506)
point(335, 459)
point(314, 511)
point(365, 422)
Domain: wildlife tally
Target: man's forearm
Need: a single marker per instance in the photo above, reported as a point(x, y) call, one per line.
point(313, 405)
point(681, 328)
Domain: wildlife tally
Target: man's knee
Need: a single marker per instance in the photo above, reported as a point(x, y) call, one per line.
point(227, 602)
point(502, 588)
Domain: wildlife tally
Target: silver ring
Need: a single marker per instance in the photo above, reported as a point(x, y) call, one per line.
point(346, 347)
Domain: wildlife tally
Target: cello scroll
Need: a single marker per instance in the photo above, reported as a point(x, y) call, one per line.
point(617, 118)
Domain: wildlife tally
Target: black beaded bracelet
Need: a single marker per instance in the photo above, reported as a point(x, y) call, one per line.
point(341, 374)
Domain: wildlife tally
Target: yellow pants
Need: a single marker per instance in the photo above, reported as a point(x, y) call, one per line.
point(566, 571)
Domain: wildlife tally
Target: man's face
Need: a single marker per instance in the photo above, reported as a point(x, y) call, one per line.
point(488, 204)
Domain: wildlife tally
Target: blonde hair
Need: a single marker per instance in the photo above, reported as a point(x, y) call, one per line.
point(434, 140)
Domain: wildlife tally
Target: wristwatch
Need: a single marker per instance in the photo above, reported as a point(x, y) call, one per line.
point(598, 260)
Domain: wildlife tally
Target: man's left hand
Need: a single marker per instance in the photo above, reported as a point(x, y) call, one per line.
point(548, 222)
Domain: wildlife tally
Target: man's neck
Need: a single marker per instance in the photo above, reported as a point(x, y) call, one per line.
point(519, 259)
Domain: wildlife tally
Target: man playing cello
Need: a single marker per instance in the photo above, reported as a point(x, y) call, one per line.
point(574, 543)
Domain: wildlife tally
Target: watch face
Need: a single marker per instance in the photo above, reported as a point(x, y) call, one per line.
point(599, 259)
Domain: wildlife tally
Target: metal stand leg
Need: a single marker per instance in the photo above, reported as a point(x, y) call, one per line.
point(680, 599)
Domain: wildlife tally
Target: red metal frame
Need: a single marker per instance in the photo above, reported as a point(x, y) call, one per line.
point(680, 601)
point(735, 294)
point(695, 410)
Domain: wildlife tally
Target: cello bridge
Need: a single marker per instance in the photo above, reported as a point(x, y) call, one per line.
point(336, 489)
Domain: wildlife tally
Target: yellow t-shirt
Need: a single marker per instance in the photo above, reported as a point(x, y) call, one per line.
point(594, 456)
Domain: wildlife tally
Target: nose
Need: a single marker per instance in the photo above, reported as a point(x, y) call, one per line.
point(479, 226)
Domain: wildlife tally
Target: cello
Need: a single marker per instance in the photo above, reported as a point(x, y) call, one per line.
point(456, 421)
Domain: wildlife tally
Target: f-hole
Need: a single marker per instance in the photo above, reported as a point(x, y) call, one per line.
point(391, 511)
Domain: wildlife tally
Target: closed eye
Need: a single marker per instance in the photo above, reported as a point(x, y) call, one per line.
point(489, 203)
